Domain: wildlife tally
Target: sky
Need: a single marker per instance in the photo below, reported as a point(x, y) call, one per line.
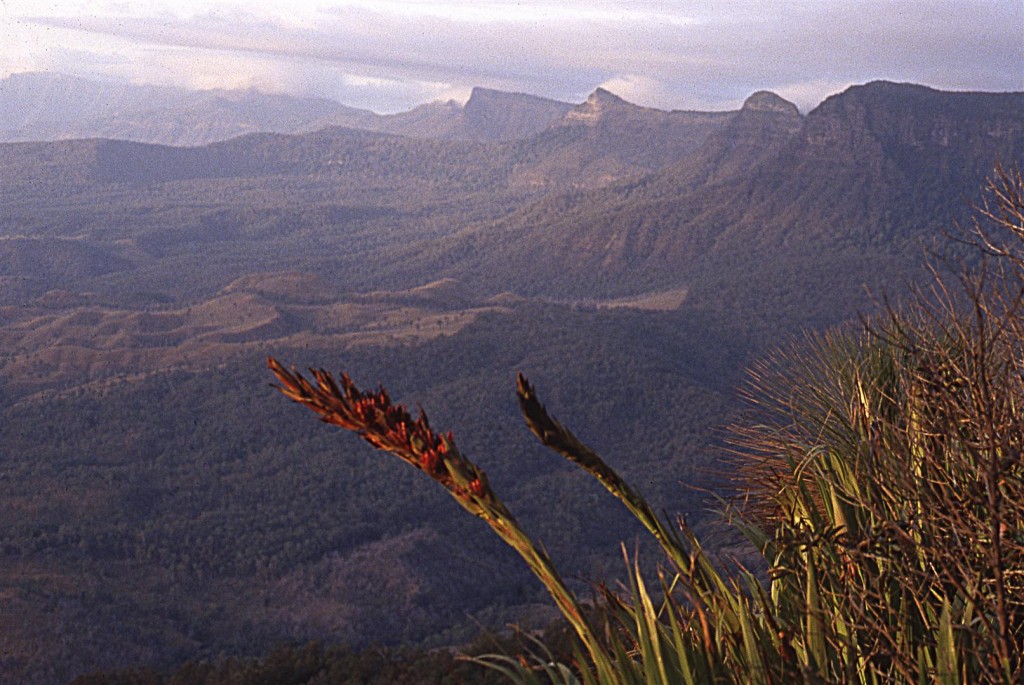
point(391, 56)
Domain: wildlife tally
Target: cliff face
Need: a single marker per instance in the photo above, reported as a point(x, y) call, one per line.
point(901, 121)
point(497, 116)
point(489, 116)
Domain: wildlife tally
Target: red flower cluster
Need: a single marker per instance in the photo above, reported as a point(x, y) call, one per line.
point(386, 426)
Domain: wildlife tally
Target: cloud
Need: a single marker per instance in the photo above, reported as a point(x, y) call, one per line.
point(665, 54)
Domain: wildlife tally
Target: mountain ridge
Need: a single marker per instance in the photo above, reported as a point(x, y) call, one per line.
point(862, 164)
point(625, 190)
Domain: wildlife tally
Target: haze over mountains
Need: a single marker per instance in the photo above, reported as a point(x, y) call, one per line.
point(41, 106)
point(158, 503)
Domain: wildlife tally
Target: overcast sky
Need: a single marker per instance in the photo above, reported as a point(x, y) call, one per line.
point(390, 56)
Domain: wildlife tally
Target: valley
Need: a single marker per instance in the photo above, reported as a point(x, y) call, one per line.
point(160, 503)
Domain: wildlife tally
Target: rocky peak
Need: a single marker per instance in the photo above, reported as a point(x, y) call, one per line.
point(597, 105)
point(767, 101)
point(602, 97)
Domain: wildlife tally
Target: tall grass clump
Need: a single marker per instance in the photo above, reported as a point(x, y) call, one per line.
point(880, 475)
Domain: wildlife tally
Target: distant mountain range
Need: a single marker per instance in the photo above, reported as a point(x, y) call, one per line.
point(43, 106)
point(604, 197)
